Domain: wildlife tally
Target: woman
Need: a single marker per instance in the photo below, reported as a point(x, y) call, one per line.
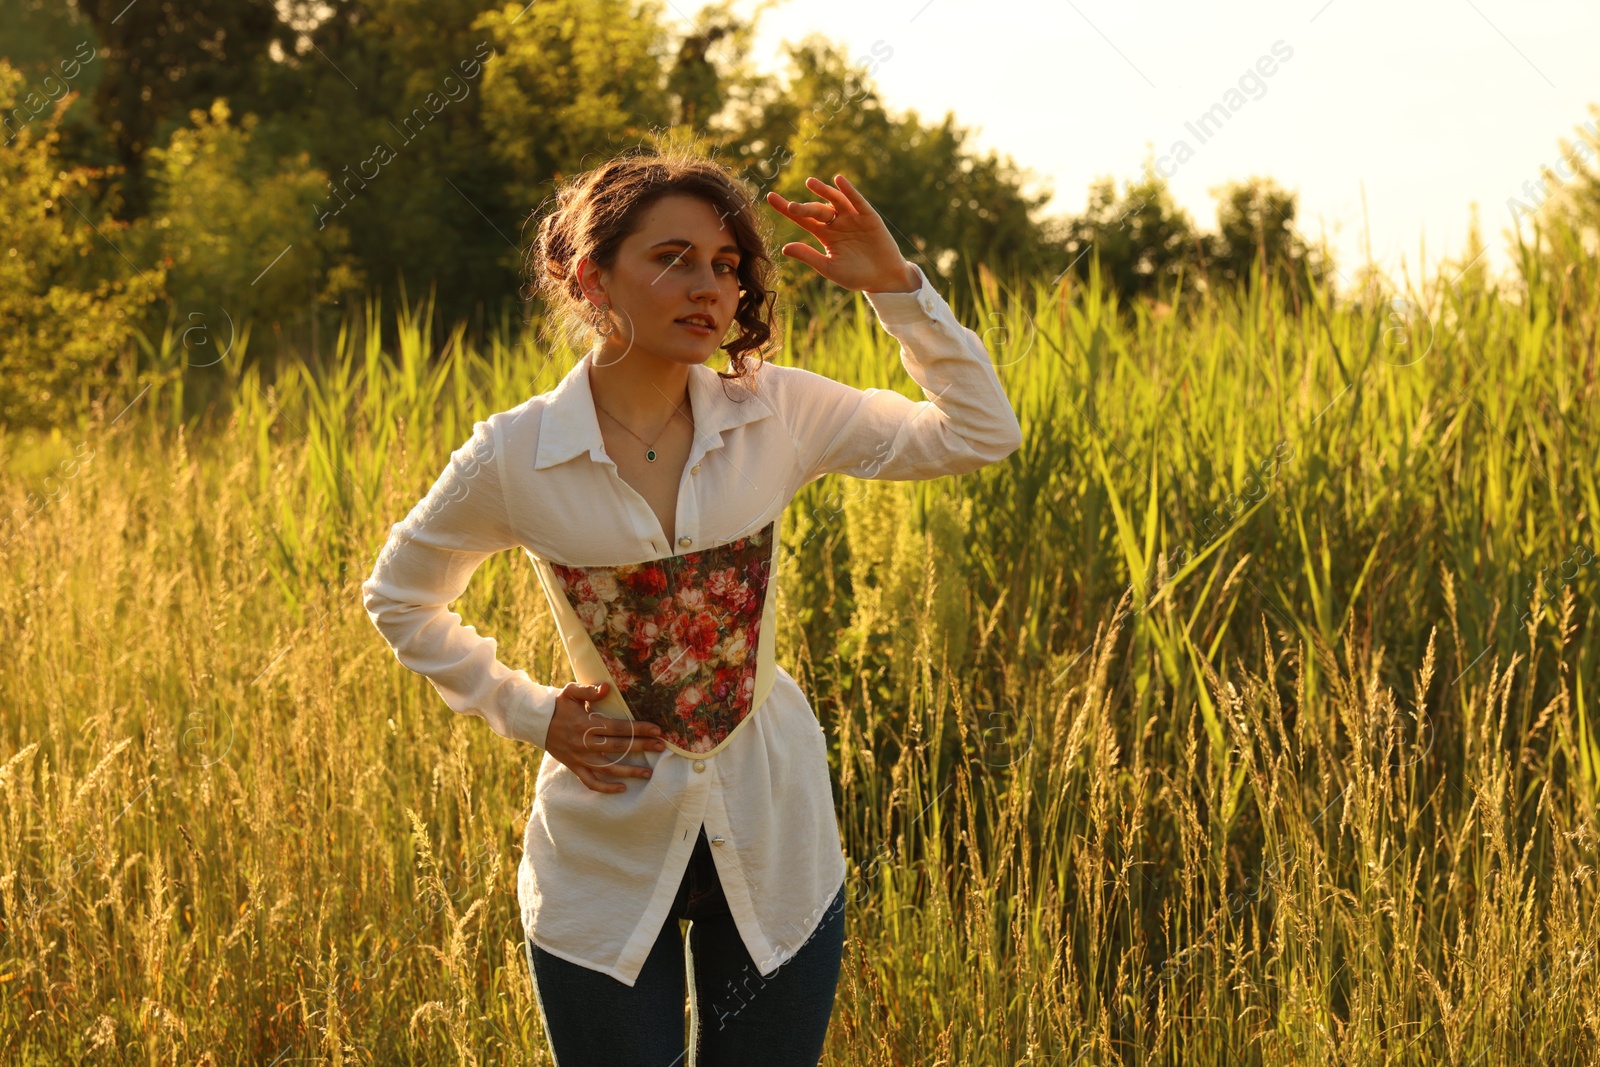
point(684, 774)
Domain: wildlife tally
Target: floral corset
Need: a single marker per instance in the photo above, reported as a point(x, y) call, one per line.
point(685, 641)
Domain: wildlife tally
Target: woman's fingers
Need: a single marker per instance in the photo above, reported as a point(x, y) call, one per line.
point(621, 770)
point(595, 782)
point(807, 255)
point(785, 207)
point(854, 194)
point(621, 745)
point(589, 774)
point(840, 202)
point(858, 251)
point(590, 742)
point(604, 727)
point(820, 215)
point(814, 210)
point(813, 216)
point(591, 765)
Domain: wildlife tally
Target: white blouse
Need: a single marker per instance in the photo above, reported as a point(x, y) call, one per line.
point(599, 871)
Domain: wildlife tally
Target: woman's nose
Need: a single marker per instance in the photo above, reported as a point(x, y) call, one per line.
point(704, 282)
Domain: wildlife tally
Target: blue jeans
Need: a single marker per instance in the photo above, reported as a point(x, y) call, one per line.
point(736, 1016)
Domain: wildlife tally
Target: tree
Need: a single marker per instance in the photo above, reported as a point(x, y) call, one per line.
point(1142, 239)
point(236, 228)
point(68, 302)
point(53, 47)
point(721, 96)
point(160, 61)
point(387, 97)
point(574, 82)
point(1255, 233)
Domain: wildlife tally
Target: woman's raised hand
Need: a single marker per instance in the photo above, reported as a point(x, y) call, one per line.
point(858, 250)
point(591, 743)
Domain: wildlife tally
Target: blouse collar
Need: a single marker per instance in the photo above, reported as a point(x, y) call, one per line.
point(570, 427)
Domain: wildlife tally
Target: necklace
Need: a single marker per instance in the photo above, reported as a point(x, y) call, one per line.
point(649, 446)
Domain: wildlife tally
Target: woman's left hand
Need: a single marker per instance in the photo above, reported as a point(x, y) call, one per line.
point(858, 250)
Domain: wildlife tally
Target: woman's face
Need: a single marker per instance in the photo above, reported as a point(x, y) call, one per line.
point(681, 263)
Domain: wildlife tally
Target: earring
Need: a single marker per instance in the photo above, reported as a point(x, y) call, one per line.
point(605, 327)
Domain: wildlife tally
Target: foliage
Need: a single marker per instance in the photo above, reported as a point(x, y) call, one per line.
point(238, 231)
point(67, 307)
point(1147, 246)
point(1255, 231)
point(712, 79)
point(388, 97)
point(162, 61)
point(1144, 242)
point(441, 127)
point(575, 81)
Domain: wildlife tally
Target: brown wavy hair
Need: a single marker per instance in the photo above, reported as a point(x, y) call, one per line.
point(592, 213)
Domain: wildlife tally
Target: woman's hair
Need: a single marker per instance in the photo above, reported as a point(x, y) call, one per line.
point(595, 211)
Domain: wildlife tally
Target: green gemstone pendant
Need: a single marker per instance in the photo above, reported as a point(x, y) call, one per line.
point(650, 454)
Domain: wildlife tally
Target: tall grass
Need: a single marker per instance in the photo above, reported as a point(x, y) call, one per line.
point(1309, 793)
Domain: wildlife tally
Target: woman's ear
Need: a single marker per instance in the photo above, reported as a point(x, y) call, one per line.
point(590, 282)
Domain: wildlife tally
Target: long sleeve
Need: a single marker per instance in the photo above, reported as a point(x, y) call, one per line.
point(965, 423)
point(426, 564)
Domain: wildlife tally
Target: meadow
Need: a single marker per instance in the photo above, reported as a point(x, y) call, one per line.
point(1245, 715)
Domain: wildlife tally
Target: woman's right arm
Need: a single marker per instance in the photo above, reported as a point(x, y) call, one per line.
point(426, 564)
point(965, 422)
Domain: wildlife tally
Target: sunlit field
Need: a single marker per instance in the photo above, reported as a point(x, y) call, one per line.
point(1245, 715)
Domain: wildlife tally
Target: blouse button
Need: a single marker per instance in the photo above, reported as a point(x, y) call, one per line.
point(717, 840)
point(699, 765)
point(685, 541)
point(695, 469)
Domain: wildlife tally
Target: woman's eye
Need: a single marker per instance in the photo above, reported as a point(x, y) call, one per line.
point(672, 259)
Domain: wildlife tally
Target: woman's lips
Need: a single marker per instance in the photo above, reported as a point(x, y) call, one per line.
point(695, 327)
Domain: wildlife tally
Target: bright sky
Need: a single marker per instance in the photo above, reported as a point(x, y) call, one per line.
point(1425, 106)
